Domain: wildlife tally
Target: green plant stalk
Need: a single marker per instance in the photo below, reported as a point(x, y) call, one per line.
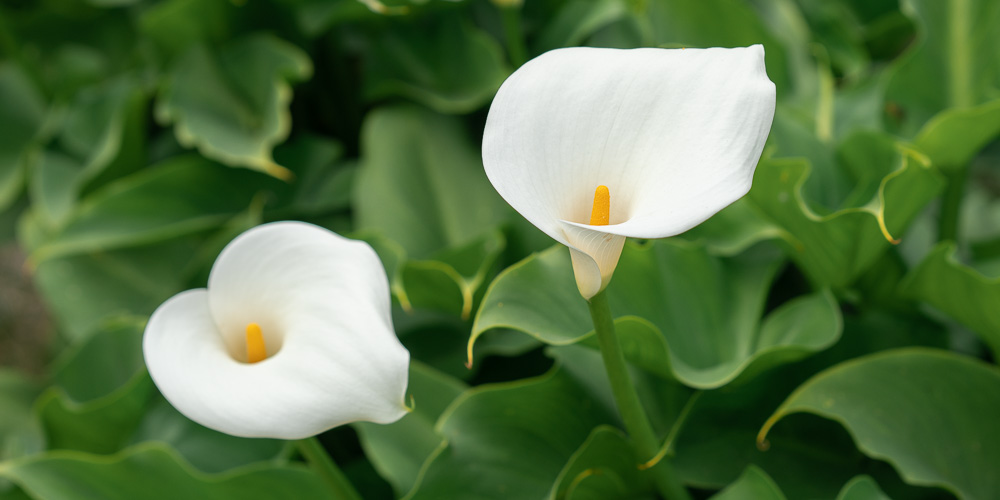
point(511, 15)
point(951, 204)
point(323, 465)
point(636, 422)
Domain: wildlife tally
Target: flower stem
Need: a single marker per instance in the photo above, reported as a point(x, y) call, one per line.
point(323, 465)
point(636, 422)
point(511, 15)
point(951, 204)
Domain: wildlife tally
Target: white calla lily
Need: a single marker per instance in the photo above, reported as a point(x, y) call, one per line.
point(674, 135)
point(293, 336)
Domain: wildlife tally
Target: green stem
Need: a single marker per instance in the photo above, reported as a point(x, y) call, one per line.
point(512, 32)
point(636, 422)
point(323, 465)
point(951, 203)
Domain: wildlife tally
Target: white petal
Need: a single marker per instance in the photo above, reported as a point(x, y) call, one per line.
point(675, 134)
point(323, 304)
point(595, 256)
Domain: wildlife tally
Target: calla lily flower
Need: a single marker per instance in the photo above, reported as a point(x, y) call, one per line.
point(293, 336)
point(595, 145)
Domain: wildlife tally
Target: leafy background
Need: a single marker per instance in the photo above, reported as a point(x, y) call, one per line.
point(832, 335)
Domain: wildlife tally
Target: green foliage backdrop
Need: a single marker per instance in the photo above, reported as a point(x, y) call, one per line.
point(834, 334)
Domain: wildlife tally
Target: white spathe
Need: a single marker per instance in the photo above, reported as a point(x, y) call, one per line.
point(322, 302)
point(675, 134)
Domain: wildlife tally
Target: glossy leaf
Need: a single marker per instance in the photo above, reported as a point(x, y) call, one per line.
point(953, 137)
point(493, 450)
point(206, 450)
point(144, 207)
point(834, 249)
point(705, 335)
point(398, 450)
point(100, 394)
point(952, 64)
point(101, 137)
point(862, 488)
point(604, 468)
point(959, 291)
point(929, 413)
point(448, 65)
point(233, 104)
point(422, 183)
point(152, 472)
point(753, 484)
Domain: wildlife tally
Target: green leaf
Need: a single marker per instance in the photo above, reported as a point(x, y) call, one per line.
point(153, 472)
point(604, 468)
point(834, 249)
point(575, 21)
point(22, 110)
point(754, 484)
point(422, 183)
point(144, 207)
point(682, 312)
point(954, 63)
point(929, 413)
point(102, 137)
point(81, 290)
point(443, 63)
point(17, 393)
point(398, 450)
point(862, 488)
point(959, 291)
point(809, 458)
point(509, 440)
point(232, 104)
point(205, 449)
point(453, 280)
point(173, 26)
point(953, 137)
point(101, 392)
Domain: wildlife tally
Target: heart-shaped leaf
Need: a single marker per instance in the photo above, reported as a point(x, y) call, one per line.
point(932, 414)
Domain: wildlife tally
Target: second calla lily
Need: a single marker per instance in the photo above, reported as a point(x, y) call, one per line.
point(595, 145)
point(293, 336)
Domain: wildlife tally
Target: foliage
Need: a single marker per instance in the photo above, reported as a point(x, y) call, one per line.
point(834, 334)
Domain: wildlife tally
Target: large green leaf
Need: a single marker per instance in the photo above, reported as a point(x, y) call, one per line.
point(862, 488)
point(930, 413)
point(398, 450)
point(83, 289)
point(681, 311)
point(232, 104)
point(509, 440)
point(604, 468)
point(958, 291)
point(834, 249)
point(754, 484)
point(101, 137)
point(22, 109)
point(953, 137)
point(205, 449)
point(441, 62)
point(954, 63)
point(153, 472)
point(422, 183)
point(144, 207)
point(100, 393)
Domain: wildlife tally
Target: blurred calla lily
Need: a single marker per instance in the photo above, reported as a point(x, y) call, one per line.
point(594, 145)
point(293, 336)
